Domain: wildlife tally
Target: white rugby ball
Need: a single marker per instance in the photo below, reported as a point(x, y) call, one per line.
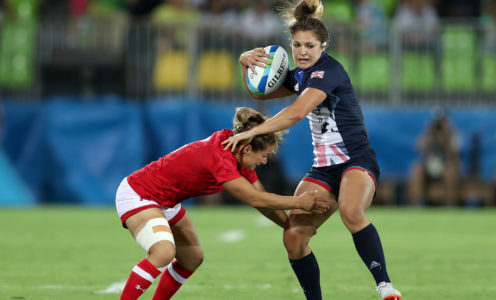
point(271, 77)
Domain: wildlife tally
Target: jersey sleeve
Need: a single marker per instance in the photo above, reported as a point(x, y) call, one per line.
point(223, 166)
point(250, 175)
point(327, 79)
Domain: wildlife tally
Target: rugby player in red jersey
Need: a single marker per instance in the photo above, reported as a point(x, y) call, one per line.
point(149, 201)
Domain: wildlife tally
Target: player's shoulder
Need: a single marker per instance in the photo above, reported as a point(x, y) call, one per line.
point(215, 146)
point(329, 63)
point(330, 68)
point(218, 136)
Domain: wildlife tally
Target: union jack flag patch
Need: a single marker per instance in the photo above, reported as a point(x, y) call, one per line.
point(319, 74)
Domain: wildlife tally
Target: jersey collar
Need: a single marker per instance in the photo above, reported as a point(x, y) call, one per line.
point(300, 74)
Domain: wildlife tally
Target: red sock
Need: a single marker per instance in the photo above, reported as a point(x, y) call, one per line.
point(142, 276)
point(172, 279)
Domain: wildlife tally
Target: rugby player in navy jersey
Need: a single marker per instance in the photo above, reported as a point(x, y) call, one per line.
point(148, 201)
point(344, 169)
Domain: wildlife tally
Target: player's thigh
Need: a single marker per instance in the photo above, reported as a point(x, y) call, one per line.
point(188, 249)
point(356, 191)
point(136, 222)
point(298, 217)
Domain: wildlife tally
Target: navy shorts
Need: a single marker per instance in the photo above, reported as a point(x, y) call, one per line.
point(330, 177)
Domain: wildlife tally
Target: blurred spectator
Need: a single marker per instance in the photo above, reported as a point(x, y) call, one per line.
point(458, 8)
point(259, 25)
point(218, 25)
point(178, 17)
point(488, 23)
point(339, 14)
point(50, 9)
point(373, 25)
point(2, 9)
point(418, 24)
point(220, 14)
point(439, 162)
point(140, 8)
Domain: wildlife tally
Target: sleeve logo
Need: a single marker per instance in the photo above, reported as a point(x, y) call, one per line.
point(319, 74)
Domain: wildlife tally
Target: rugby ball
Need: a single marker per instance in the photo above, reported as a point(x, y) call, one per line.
point(269, 78)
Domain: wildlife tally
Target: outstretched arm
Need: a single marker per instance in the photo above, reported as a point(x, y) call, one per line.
point(280, 217)
point(286, 118)
point(243, 190)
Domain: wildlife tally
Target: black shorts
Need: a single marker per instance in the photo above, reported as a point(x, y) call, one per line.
point(330, 177)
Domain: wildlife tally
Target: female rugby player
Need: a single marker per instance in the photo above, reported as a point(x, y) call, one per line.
point(149, 201)
point(345, 169)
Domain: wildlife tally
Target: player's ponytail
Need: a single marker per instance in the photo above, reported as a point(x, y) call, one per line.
point(304, 15)
point(246, 118)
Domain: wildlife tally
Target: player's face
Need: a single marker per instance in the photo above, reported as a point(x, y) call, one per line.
point(251, 159)
point(306, 48)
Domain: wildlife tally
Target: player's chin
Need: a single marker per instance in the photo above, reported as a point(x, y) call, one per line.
point(303, 63)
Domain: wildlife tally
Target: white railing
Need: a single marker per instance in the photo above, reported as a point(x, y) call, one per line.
point(93, 55)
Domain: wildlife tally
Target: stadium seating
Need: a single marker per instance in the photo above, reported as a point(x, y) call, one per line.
point(341, 10)
point(488, 75)
point(171, 71)
point(458, 58)
point(18, 44)
point(216, 71)
point(373, 72)
point(418, 72)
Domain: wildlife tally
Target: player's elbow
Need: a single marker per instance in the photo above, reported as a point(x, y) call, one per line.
point(295, 117)
point(257, 203)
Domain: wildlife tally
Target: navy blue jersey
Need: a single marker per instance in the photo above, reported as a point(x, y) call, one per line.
point(338, 132)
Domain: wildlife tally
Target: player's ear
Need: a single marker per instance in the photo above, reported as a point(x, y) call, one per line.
point(246, 148)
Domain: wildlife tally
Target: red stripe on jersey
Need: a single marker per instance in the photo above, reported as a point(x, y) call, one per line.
point(321, 154)
point(338, 153)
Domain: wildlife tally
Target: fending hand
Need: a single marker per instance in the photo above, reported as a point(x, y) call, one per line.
point(232, 141)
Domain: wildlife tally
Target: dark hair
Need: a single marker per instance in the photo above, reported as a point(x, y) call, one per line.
point(304, 15)
point(247, 118)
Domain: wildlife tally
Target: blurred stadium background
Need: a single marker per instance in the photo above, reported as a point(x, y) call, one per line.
point(91, 90)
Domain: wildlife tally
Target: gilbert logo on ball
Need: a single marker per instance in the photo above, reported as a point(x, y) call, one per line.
point(269, 78)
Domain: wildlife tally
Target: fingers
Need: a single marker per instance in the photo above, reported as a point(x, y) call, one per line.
point(230, 142)
point(321, 205)
point(257, 57)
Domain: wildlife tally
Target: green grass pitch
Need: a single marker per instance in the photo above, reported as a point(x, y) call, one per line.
point(79, 252)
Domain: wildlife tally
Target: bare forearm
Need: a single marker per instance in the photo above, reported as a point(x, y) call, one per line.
point(272, 201)
point(283, 120)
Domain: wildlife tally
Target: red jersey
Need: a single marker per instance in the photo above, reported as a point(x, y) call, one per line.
point(195, 169)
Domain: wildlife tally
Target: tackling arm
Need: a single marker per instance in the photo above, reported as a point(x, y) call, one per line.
point(243, 190)
point(279, 217)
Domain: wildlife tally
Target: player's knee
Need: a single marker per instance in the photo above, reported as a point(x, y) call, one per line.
point(162, 253)
point(194, 260)
point(351, 215)
point(297, 237)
